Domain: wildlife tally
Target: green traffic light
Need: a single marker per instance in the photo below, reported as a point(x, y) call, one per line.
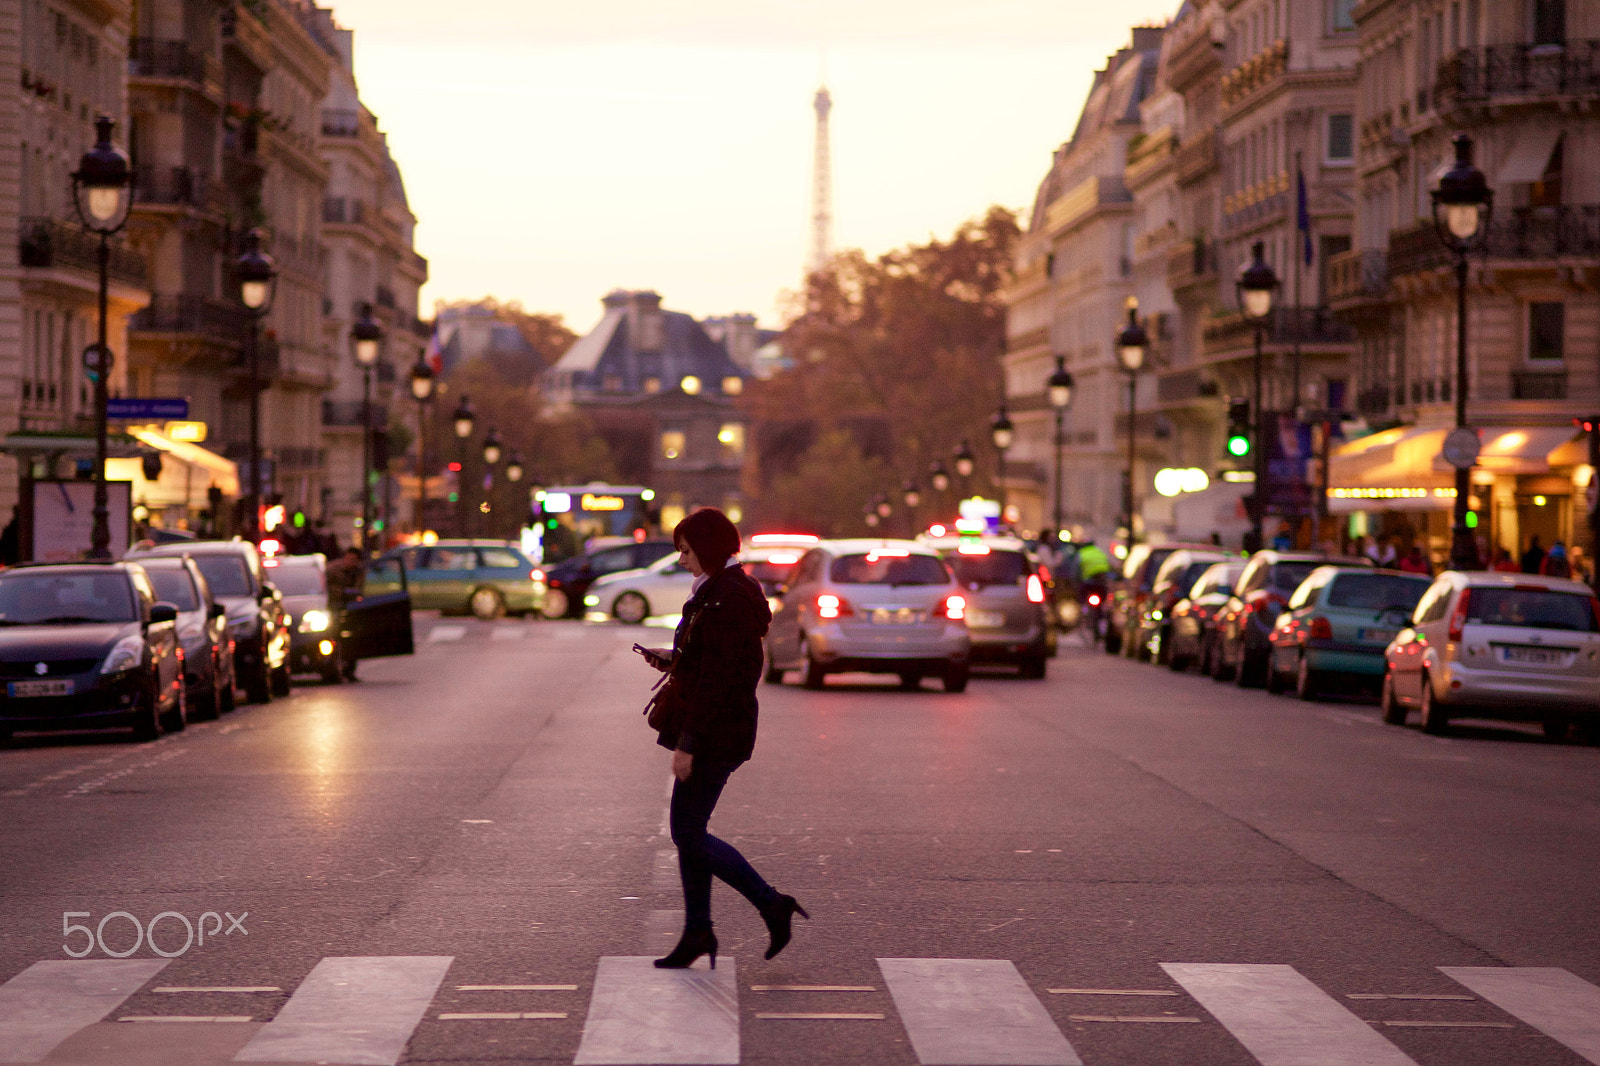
point(1472, 519)
point(1239, 446)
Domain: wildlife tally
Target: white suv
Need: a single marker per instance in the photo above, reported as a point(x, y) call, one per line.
point(874, 606)
point(1495, 645)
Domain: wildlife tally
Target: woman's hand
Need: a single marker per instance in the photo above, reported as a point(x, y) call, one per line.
point(682, 765)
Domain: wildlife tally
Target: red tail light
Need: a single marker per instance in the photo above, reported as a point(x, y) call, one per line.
point(831, 606)
point(1094, 599)
point(1035, 589)
point(1458, 616)
point(953, 608)
point(1321, 628)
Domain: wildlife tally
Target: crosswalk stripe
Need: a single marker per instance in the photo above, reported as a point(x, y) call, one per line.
point(512, 632)
point(640, 1015)
point(973, 1012)
point(51, 1000)
point(1282, 1018)
point(438, 633)
point(1561, 1005)
point(359, 1010)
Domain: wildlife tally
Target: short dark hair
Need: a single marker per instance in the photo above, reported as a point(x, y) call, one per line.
point(711, 535)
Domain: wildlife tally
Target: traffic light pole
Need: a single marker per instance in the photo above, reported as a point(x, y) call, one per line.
point(1258, 455)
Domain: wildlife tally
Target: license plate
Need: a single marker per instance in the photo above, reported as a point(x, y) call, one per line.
point(39, 688)
point(1533, 656)
point(1376, 636)
point(887, 616)
point(986, 619)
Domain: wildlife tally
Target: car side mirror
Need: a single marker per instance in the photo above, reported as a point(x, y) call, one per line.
point(163, 612)
point(217, 611)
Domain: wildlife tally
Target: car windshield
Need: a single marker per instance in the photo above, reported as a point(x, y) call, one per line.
point(768, 572)
point(1192, 573)
point(992, 568)
point(1377, 592)
point(298, 580)
point(226, 574)
point(173, 585)
point(875, 569)
point(1157, 557)
point(1288, 575)
point(40, 598)
point(1532, 608)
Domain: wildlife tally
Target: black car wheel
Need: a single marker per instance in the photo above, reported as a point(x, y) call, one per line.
point(1034, 668)
point(281, 680)
point(1307, 684)
point(631, 608)
point(955, 678)
point(1394, 712)
point(487, 603)
point(910, 682)
point(1435, 719)
point(555, 604)
point(773, 675)
point(208, 706)
point(177, 719)
point(1556, 727)
point(811, 671)
point(146, 718)
point(1273, 679)
point(1113, 640)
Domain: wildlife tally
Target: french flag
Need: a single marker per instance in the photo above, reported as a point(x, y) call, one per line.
point(434, 356)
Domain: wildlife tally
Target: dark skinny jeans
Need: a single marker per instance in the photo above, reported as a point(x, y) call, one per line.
point(700, 855)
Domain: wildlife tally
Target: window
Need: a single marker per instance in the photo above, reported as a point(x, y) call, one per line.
point(452, 559)
point(1549, 22)
point(1546, 327)
point(610, 562)
point(1341, 16)
point(732, 386)
point(1546, 192)
point(1341, 137)
point(731, 437)
point(652, 385)
point(888, 570)
point(672, 444)
point(500, 559)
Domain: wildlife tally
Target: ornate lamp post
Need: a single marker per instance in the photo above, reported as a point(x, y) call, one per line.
point(422, 391)
point(367, 337)
point(492, 450)
point(912, 497)
point(258, 282)
point(965, 466)
point(1462, 206)
point(1060, 389)
point(463, 416)
point(1003, 433)
point(514, 468)
point(1255, 287)
point(1131, 344)
point(101, 196)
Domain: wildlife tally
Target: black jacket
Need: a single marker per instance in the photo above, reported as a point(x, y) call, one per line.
point(717, 661)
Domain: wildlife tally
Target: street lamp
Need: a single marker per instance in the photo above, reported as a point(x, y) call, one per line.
point(1003, 433)
point(913, 497)
point(1254, 288)
point(257, 276)
point(1060, 389)
point(463, 417)
point(366, 336)
point(492, 447)
point(881, 504)
point(100, 193)
point(939, 476)
point(1462, 206)
point(514, 467)
point(422, 390)
point(1131, 343)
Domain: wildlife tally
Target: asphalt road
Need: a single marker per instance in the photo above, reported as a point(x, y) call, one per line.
point(496, 804)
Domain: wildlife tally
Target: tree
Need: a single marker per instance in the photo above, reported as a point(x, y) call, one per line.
point(902, 355)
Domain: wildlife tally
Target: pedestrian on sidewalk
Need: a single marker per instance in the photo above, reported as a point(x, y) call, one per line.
point(716, 663)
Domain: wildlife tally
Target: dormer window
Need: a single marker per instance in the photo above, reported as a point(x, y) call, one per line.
point(690, 385)
point(652, 385)
point(732, 386)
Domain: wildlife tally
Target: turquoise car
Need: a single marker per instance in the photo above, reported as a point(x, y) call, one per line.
point(1337, 625)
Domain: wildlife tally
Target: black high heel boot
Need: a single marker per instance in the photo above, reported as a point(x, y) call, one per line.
point(779, 917)
point(693, 944)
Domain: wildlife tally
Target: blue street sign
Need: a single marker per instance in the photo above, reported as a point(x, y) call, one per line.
point(147, 409)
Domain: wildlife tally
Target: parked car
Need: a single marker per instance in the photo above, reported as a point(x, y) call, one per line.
point(208, 672)
point(1008, 610)
point(878, 606)
point(1152, 623)
point(87, 646)
point(1337, 625)
point(487, 578)
point(256, 618)
point(1264, 588)
point(1130, 587)
point(314, 643)
point(1496, 645)
point(631, 596)
point(1194, 631)
point(568, 582)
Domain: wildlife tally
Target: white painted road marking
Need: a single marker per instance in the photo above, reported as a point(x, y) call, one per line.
point(812, 988)
point(1129, 1018)
point(801, 1016)
point(1109, 992)
point(359, 1010)
point(516, 988)
point(1390, 995)
point(1561, 1005)
point(185, 1018)
point(445, 632)
point(640, 1015)
point(49, 1001)
point(973, 1012)
point(1282, 1018)
point(508, 1016)
point(222, 988)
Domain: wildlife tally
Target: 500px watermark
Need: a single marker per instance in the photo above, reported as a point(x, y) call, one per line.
point(142, 934)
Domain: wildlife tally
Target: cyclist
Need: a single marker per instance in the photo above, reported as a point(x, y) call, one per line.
point(1094, 570)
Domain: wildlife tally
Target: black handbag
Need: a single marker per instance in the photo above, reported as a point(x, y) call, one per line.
point(667, 707)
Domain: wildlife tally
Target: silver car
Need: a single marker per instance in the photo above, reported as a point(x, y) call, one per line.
point(1495, 645)
point(1007, 615)
point(873, 606)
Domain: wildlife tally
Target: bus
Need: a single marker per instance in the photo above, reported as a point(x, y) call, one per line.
point(569, 516)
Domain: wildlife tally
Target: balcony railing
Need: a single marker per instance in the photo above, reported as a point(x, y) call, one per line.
point(1359, 274)
point(348, 413)
point(1196, 157)
point(149, 58)
point(216, 319)
point(1307, 325)
point(1539, 384)
point(53, 243)
point(340, 209)
point(175, 185)
point(1191, 263)
point(341, 123)
point(1522, 70)
point(1523, 233)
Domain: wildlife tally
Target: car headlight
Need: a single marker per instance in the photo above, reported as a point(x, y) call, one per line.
point(126, 654)
point(315, 621)
point(591, 601)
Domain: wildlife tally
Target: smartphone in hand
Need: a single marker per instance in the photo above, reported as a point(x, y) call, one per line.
point(654, 658)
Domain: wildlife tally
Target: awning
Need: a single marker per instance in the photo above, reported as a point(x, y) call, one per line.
point(1530, 155)
point(1520, 451)
point(1402, 469)
point(1393, 459)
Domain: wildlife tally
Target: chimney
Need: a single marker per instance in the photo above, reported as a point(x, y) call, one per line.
point(741, 339)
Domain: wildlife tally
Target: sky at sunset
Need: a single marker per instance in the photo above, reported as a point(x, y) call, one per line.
point(555, 151)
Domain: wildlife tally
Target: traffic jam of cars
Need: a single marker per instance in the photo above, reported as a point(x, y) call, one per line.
point(1510, 647)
